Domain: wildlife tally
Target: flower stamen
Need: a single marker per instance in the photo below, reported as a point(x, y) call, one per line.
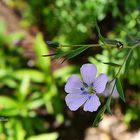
point(90, 90)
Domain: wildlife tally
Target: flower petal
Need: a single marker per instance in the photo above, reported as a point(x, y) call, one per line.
point(92, 103)
point(88, 72)
point(74, 84)
point(109, 89)
point(74, 101)
point(100, 83)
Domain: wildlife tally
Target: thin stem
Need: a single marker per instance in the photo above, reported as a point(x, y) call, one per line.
point(80, 45)
point(99, 45)
point(123, 62)
point(121, 69)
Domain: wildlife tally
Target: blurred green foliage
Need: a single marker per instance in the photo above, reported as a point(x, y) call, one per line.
point(26, 90)
point(74, 18)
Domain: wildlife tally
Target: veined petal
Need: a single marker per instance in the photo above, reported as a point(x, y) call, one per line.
point(88, 72)
point(109, 89)
point(100, 83)
point(74, 84)
point(92, 103)
point(74, 101)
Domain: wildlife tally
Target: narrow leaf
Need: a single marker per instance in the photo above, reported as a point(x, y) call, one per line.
point(60, 53)
point(34, 75)
point(120, 89)
point(46, 136)
point(19, 132)
point(108, 105)
point(40, 49)
point(112, 64)
point(47, 55)
point(75, 52)
point(99, 116)
point(99, 32)
point(67, 54)
point(6, 102)
point(24, 88)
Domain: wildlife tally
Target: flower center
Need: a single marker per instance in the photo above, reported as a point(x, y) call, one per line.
point(90, 90)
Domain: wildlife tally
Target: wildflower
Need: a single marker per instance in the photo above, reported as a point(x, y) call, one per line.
point(109, 88)
point(85, 92)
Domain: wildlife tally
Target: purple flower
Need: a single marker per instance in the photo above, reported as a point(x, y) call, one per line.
point(109, 88)
point(85, 92)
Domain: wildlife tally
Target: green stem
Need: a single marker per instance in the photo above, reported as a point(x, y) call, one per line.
point(120, 70)
point(99, 45)
point(80, 45)
point(123, 62)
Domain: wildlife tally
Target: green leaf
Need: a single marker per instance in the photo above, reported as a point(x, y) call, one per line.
point(108, 105)
point(10, 111)
point(120, 89)
point(128, 61)
point(75, 52)
point(41, 49)
point(34, 104)
point(19, 132)
point(99, 32)
point(49, 136)
point(24, 88)
point(8, 106)
point(33, 75)
point(112, 64)
point(67, 54)
point(6, 102)
point(99, 116)
point(59, 54)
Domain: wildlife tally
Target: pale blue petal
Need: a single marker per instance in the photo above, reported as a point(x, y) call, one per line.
point(92, 103)
point(100, 83)
point(88, 72)
point(109, 89)
point(74, 101)
point(74, 84)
